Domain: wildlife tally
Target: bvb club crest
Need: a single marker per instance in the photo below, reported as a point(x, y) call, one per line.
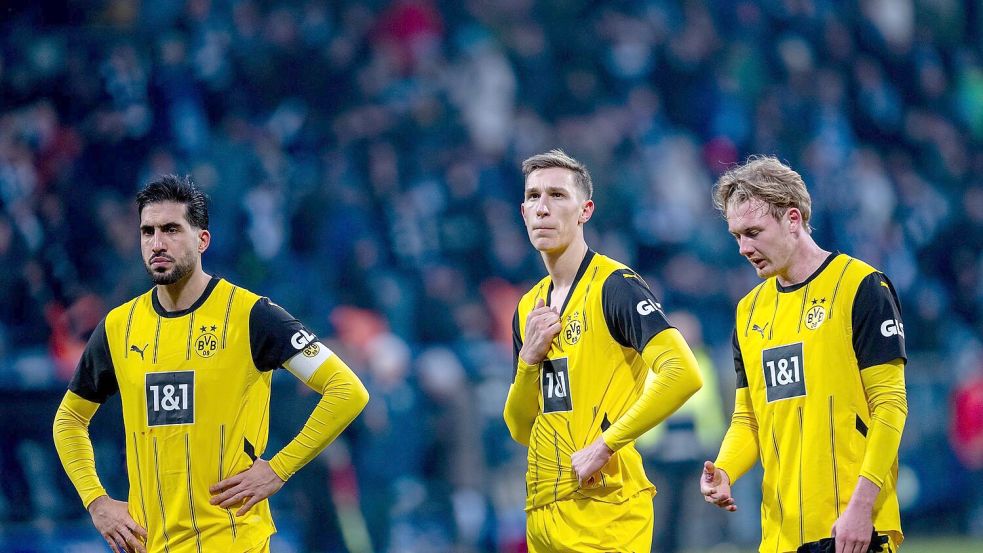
point(206, 344)
point(572, 330)
point(816, 314)
point(312, 349)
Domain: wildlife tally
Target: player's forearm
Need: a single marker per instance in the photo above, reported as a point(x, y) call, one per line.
point(71, 436)
point(739, 450)
point(677, 378)
point(343, 398)
point(885, 389)
point(522, 403)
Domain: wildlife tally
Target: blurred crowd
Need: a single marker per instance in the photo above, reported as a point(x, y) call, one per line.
point(362, 159)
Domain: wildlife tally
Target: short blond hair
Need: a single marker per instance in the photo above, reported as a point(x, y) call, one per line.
point(767, 179)
point(558, 158)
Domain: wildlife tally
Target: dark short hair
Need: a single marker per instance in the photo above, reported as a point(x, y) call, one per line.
point(172, 188)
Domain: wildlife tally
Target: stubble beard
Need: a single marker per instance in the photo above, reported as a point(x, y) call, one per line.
point(181, 269)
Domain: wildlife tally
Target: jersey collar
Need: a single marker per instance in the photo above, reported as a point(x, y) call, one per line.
point(794, 287)
point(576, 280)
point(174, 314)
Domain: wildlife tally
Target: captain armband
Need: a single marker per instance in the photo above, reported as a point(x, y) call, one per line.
point(305, 363)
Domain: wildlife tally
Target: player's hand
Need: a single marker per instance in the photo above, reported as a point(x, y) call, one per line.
point(715, 487)
point(588, 461)
point(853, 530)
point(112, 519)
point(542, 325)
point(248, 488)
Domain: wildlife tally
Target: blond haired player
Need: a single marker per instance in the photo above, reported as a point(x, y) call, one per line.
point(819, 353)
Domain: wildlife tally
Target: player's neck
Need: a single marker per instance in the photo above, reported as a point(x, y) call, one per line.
point(183, 294)
point(806, 259)
point(563, 266)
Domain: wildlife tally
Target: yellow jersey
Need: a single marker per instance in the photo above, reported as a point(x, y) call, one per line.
point(592, 374)
point(195, 390)
point(800, 351)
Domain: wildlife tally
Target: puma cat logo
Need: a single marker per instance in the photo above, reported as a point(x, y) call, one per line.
point(138, 350)
point(760, 329)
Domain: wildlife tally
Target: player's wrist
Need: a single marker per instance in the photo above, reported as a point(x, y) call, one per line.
point(280, 471)
point(524, 365)
point(95, 503)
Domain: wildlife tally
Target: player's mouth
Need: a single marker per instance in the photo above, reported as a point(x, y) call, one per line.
point(160, 260)
point(758, 263)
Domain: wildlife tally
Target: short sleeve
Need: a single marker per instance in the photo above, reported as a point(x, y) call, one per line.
point(95, 376)
point(632, 313)
point(878, 332)
point(275, 335)
point(739, 362)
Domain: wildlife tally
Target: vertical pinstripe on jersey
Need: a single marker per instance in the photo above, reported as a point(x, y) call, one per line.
point(191, 495)
point(802, 311)
point(156, 339)
point(586, 295)
point(143, 501)
point(191, 330)
point(771, 333)
point(801, 514)
point(160, 495)
point(228, 310)
point(750, 313)
point(534, 449)
point(607, 387)
point(221, 475)
point(129, 322)
point(778, 492)
point(559, 466)
point(832, 449)
point(837, 287)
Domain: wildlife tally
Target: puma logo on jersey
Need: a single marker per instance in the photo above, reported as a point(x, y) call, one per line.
point(138, 350)
point(760, 329)
point(646, 307)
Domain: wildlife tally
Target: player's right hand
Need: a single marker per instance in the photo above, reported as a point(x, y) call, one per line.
point(715, 487)
point(542, 325)
point(112, 519)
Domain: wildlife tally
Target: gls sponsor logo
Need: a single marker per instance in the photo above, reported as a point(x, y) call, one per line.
point(892, 327)
point(301, 338)
point(646, 307)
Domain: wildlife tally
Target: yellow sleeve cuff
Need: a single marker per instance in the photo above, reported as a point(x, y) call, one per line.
point(70, 431)
point(342, 398)
point(739, 450)
point(888, 403)
point(677, 378)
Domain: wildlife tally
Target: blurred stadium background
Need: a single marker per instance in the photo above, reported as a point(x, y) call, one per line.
point(362, 160)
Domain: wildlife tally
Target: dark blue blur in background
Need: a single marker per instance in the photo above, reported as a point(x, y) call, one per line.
point(362, 158)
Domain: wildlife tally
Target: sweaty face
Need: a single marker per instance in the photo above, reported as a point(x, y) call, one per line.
point(554, 209)
point(764, 241)
point(168, 242)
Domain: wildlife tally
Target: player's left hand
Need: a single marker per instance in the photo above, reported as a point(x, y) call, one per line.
point(249, 487)
point(589, 460)
point(853, 529)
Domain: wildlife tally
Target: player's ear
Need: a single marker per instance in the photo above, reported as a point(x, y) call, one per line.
point(586, 210)
point(204, 239)
point(794, 219)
